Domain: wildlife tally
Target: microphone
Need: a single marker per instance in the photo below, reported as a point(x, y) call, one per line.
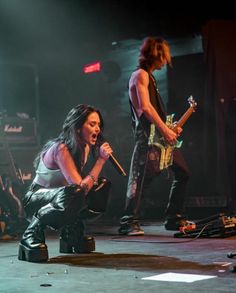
point(117, 166)
point(113, 160)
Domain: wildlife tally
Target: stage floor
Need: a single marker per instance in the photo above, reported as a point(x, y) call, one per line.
point(121, 264)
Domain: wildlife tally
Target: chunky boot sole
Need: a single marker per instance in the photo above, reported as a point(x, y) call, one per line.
point(86, 245)
point(65, 247)
point(32, 255)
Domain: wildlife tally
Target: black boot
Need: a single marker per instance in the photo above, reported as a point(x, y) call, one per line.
point(32, 246)
point(73, 240)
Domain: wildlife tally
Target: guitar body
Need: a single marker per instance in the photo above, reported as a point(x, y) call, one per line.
point(160, 154)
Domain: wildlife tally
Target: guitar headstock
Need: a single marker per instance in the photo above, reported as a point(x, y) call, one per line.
point(192, 103)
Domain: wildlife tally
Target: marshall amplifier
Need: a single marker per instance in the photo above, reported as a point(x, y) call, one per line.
point(18, 163)
point(18, 132)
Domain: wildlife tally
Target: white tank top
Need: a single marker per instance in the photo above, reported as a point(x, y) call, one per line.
point(49, 178)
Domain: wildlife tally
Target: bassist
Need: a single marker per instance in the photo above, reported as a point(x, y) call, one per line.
point(147, 108)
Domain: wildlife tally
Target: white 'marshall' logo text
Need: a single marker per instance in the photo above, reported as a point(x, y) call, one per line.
point(9, 128)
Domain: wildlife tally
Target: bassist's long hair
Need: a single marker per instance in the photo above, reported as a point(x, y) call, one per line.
point(153, 49)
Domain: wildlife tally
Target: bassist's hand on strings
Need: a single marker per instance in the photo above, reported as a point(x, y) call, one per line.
point(170, 136)
point(177, 129)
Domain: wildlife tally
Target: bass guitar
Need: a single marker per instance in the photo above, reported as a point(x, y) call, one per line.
point(159, 150)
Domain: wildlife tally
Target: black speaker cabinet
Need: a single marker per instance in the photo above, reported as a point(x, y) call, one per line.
point(16, 162)
point(18, 132)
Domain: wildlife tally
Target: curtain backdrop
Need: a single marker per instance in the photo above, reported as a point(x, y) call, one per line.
point(219, 43)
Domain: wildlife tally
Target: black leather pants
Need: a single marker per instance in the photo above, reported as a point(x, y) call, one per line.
point(54, 207)
point(58, 207)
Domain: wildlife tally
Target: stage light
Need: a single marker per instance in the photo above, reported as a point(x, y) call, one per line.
point(93, 67)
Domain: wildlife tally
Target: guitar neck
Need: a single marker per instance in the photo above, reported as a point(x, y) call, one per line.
point(185, 117)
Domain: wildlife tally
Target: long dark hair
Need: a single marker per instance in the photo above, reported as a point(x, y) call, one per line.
point(153, 48)
point(70, 136)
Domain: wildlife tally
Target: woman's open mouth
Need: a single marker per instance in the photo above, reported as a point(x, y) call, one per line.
point(94, 137)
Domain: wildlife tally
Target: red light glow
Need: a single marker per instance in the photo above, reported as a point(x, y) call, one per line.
point(93, 67)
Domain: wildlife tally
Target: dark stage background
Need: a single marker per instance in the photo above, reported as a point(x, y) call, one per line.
point(45, 45)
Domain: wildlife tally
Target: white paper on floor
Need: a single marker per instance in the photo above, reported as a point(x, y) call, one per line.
point(176, 277)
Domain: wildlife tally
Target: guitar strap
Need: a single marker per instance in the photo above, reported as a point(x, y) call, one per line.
point(156, 99)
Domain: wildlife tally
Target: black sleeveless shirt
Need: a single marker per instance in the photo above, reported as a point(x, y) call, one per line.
point(143, 124)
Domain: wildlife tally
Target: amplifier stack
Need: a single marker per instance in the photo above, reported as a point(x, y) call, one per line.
point(19, 144)
point(19, 132)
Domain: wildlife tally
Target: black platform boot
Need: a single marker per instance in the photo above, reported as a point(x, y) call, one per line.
point(32, 246)
point(73, 240)
point(72, 237)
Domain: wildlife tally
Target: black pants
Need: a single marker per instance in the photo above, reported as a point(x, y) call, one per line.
point(139, 178)
point(55, 207)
